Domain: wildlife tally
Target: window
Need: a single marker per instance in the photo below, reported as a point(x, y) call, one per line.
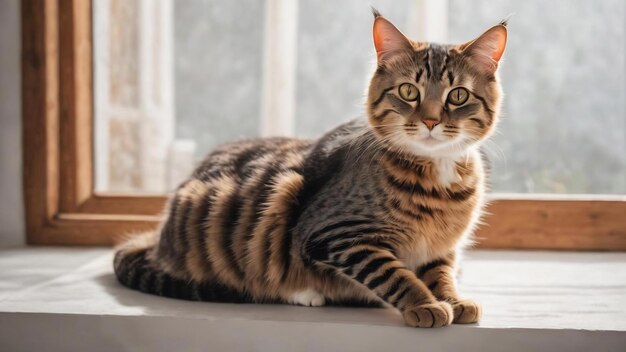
point(121, 98)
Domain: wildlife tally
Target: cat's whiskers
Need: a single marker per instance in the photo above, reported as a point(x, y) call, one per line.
point(498, 153)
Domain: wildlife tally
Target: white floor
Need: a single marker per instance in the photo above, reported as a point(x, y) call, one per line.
point(68, 299)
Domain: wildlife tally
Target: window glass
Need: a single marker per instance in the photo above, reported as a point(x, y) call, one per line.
point(175, 78)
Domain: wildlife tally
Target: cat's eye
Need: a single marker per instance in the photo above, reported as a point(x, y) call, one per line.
point(409, 92)
point(458, 96)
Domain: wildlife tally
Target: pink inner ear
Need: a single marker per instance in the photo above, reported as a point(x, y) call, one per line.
point(497, 42)
point(487, 49)
point(388, 39)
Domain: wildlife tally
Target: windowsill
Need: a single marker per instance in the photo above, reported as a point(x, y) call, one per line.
point(530, 299)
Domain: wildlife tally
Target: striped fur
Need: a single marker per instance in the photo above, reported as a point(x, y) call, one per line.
point(373, 213)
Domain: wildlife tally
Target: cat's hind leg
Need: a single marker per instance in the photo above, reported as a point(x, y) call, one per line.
point(307, 297)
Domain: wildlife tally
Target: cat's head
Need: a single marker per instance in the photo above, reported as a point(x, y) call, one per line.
point(434, 99)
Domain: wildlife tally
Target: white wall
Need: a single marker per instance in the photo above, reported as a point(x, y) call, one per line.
point(11, 201)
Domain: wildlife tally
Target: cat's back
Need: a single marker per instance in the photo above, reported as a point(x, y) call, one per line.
point(243, 157)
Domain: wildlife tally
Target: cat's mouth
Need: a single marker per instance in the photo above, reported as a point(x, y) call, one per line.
point(432, 142)
point(426, 141)
point(430, 139)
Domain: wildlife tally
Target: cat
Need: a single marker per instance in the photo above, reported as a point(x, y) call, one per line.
point(375, 212)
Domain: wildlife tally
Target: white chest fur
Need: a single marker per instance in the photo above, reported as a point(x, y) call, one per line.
point(447, 173)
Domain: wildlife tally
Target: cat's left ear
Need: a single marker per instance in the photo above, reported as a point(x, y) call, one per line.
point(486, 50)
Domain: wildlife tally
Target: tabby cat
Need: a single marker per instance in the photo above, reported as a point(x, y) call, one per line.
point(375, 212)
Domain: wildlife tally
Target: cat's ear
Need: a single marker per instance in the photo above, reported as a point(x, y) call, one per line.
point(388, 40)
point(486, 51)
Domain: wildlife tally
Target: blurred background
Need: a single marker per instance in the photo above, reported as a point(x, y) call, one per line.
point(175, 78)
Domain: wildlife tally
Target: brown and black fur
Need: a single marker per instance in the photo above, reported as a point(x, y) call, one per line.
point(359, 216)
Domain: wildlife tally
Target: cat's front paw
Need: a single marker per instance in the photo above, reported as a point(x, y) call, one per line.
point(430, 315)
point(466, 312)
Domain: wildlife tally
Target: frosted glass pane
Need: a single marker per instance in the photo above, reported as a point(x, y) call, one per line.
point(218, 60)
point(173, 79)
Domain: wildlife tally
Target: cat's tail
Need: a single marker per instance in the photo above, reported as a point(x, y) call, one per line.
point(135, 269)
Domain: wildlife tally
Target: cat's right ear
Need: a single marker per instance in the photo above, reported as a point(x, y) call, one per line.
point(388, 40)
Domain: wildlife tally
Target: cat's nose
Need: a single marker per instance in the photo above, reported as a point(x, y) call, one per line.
point(430, 123)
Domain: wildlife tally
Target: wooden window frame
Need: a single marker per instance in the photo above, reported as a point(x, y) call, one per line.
point(62, 208)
